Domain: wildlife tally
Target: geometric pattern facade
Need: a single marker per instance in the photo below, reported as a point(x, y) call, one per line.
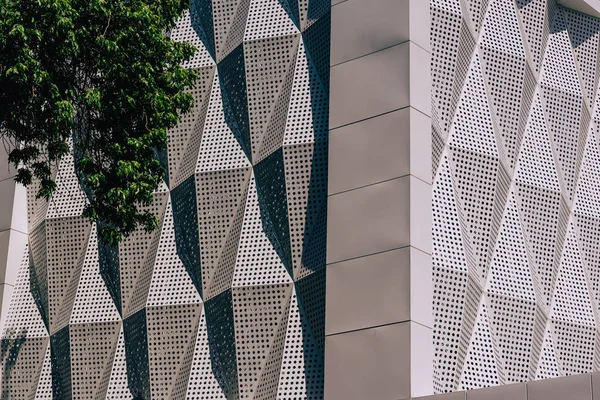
point(226, 299)
point(516, 193)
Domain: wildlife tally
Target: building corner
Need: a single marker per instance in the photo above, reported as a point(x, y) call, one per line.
point(379, 321)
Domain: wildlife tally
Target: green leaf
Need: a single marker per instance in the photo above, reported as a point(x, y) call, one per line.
point(101, 75)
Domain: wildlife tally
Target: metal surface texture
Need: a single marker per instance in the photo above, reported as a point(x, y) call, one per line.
point(516, 216)
point(226, 299)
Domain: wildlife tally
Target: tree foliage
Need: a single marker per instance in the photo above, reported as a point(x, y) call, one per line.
point(103, 74)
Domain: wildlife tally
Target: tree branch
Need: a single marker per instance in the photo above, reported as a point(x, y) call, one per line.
point(107, 25)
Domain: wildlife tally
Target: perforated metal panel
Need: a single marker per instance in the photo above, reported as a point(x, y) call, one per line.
point(516, 194)
point(225, 300)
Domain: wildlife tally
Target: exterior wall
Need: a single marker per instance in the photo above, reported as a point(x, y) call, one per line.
point(574, 387)
point(378, 341)
point(226, 299)
point(516, 158)
point(447, 192)
point(13, 232)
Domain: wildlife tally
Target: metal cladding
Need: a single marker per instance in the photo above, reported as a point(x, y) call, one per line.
point(516, 216)
point(226, 299)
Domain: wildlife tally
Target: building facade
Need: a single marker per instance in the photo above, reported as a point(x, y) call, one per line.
point(226, 299)
point(378, 200)
point(516, 159)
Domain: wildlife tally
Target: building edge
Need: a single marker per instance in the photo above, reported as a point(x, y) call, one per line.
point(379, 342)
point(13, 232)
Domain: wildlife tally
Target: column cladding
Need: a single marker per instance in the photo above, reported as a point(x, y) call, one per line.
point(378, 342)
point(13, 231)
point(516, 189)
point(226, 299)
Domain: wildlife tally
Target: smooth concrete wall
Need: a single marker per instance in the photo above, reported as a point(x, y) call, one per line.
point(13, 231)
point(378, 342)
point(574, 387)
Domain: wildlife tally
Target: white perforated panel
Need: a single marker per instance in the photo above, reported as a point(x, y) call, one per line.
point(516, 172)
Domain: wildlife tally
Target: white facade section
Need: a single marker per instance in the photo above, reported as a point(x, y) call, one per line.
point(516, 192)
point(13, 231)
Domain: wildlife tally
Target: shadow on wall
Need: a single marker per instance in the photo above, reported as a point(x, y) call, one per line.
point(311, 289)
point(9, 352)
point(272, 186)
point(523, 3)
point(316, 39)
point(570, 21)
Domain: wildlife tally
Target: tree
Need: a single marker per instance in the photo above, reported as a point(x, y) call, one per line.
point(103, 74)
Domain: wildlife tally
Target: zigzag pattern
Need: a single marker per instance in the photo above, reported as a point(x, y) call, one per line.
point(516, 216)
point(226, 299)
